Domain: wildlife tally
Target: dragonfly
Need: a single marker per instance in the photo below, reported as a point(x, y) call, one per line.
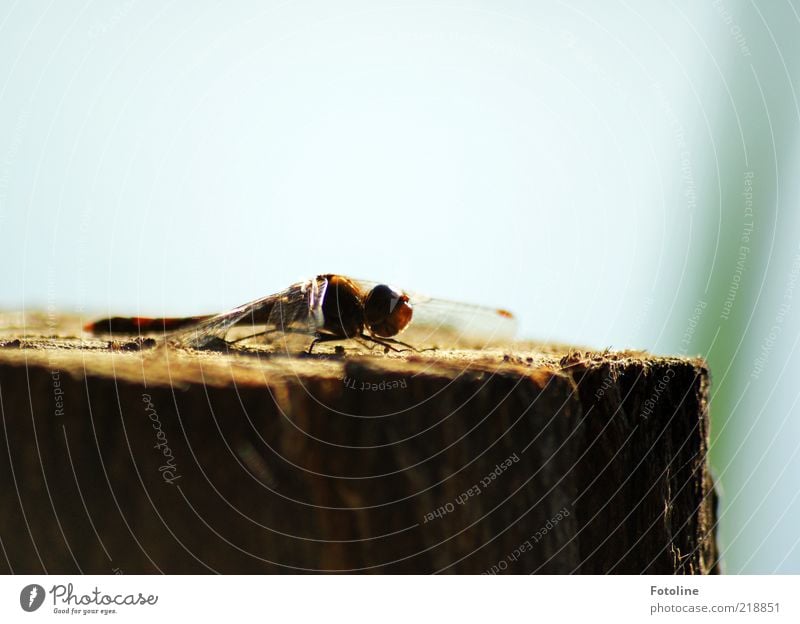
point(330, 308)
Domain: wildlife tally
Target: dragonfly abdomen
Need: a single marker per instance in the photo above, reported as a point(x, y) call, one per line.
point(142, 324)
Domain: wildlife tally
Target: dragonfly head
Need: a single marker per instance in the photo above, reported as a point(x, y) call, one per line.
point(386, 311)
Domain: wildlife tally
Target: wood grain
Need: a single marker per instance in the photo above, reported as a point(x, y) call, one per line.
point(126, 456)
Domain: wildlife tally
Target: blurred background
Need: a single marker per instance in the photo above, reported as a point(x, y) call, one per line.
point(619, 174)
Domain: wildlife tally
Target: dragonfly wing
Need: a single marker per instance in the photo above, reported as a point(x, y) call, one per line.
point(449, 324)
point(296, 316)
point(298, 309)
point(214, 328)
point(440, 323)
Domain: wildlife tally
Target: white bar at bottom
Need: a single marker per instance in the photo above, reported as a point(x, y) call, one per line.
point(401, 599)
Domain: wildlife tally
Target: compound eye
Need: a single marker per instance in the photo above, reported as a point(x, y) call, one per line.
point(386, 311)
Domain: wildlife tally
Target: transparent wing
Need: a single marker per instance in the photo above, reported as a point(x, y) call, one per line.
point(294, 317)
point(449, 324)
point(296, 311)
point(440, 323)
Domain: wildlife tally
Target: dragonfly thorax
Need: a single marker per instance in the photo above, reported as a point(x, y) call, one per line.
point(342, 308)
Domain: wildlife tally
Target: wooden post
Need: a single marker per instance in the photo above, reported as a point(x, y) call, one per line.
point(130, 457)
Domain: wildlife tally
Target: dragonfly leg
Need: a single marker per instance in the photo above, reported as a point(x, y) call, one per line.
point(287, 330)
point(385, 343)
point(323, 338)
point(371, 341)
point(411, 347)
point(406, 345)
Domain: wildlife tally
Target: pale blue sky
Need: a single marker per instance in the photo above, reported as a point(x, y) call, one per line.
point(189, 158)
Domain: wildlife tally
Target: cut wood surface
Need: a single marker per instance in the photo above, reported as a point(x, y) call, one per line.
point(127, 456)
